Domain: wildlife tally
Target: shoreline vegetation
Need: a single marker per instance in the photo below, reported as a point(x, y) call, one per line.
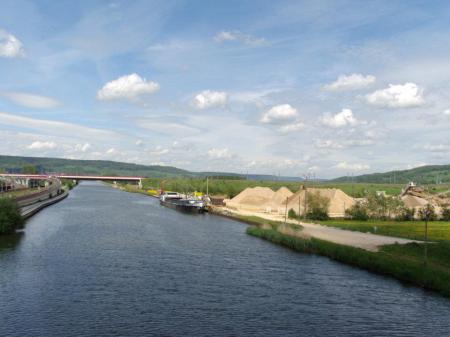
point(12, 216)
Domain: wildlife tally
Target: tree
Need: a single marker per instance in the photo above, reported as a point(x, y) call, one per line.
point(358, 212)
point(428, 212)
point(377, 205)
point(10, 217)
point(317, 206)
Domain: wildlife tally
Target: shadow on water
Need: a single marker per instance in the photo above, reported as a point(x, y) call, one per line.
point(12, 241)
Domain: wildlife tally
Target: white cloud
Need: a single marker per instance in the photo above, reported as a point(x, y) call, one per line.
point(327, 144)
point(226, 36)
point(341, 119)
point(82, 147)
point(158, 151)
point(350, 82)
point(38, 145)
point(10, 46)
point(54, 127)
point(279, 113)
point(139, 142)
point(31, 100)
point(447, 112)
point(436, 147)
point(215, 153)
point(397, 96)
point(127, 87)
point(352, 167)
point(168, 46)
point(210, 99)
point(111, 151)
point(292, 127)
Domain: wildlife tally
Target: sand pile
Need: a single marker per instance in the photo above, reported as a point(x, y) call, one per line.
point(339, 201)
point(412, 201)
point(278, 201)
point(252, 198)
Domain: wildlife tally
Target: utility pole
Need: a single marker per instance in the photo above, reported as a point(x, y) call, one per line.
point(427, 216)
point(299, 201)
point(285, 212)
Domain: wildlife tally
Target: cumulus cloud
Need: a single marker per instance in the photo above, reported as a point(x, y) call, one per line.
point(31, 100)
point(82, 147)
point(10, 46)
point(216, 153)
point(350, 82)
point(139, 142)
point(210, 99)
point(127, 87)
point(292, 127)
point(352, 167)
point(339, 120)
point(111, 151)
point(447, 112)
point(38, 145)
point(237, 36)
point(397, 96)
point(279, 113)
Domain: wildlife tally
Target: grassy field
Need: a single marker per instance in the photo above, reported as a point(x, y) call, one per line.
point(437, 230)
point(231, 188)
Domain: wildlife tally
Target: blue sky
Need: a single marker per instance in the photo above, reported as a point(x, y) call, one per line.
point(289, 87)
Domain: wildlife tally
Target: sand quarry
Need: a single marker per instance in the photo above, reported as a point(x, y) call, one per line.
point(265, 203)
point(265, 200)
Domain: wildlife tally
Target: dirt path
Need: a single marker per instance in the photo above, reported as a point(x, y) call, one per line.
point(367, 241)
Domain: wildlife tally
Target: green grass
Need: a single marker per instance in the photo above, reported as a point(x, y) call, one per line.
point(438, 253)
point(437, 230)
point(402, 262)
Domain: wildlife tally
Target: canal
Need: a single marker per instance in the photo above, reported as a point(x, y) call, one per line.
point(110, 263)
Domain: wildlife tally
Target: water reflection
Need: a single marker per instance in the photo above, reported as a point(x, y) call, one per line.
point(8, 242)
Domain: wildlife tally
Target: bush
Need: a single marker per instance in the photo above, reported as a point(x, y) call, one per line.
point(357, 212)
point(292, 214)
point(446, 214)
point(10, 217)
point(317, 214)
point(405, 214)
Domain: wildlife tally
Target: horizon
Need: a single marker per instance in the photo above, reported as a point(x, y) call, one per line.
point(287, 88)
point(226, 172)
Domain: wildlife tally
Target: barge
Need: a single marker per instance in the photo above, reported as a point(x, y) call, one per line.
point(177, 201)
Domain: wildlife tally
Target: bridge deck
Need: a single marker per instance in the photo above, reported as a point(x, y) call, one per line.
point(70, 176)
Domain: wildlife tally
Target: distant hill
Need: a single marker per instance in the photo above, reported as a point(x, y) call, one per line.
point(430, 174)
point(15, 164)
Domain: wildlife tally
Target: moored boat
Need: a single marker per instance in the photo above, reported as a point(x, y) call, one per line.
point(187, 204)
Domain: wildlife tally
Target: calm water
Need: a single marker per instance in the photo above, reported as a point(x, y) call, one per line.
point(110, 263)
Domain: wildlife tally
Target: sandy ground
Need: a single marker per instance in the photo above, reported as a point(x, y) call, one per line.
point(367, 241)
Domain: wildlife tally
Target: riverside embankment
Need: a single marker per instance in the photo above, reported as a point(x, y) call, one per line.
point(120, 264)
